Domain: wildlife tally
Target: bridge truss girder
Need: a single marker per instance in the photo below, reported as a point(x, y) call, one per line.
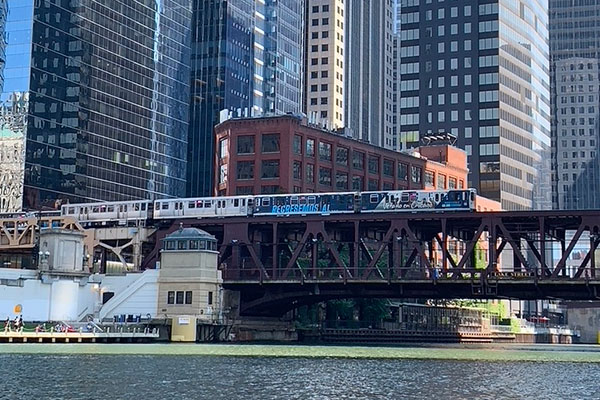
point(488, 250)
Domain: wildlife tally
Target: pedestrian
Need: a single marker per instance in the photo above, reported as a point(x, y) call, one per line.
point(7, 325)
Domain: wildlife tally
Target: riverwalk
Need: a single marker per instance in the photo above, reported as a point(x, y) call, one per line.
point(122, 335)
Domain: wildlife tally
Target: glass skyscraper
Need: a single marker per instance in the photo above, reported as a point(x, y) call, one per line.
point(246, 61)
point(100, 92)
point(481, 72)
point(575, 82)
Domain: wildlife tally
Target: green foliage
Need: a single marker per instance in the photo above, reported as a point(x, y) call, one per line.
point(515, 325)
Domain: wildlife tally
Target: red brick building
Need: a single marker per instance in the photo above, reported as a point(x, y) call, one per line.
point(284, 155)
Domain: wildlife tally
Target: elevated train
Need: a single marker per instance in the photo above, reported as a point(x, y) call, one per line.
point(130, 212)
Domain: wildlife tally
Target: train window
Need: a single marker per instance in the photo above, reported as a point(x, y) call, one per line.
point(112, 208)
point(143, 206)
point(86, 210)
point(95, 209)
point(125, 207)
point(199, 204)
point(302, 200)
point(136, 207)
point(207, 203)
point(437, 197)
point(266, 201)
point(157, 205)
point(243, 202)
point(165, 206)
point(312, 199)
point(71, 210)
point(374, 198)
point(404, 197)
point(472, 196)
point(191, 204)
point(294, 200)
point(236, 202)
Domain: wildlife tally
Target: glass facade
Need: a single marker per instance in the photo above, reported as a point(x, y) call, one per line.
point(481, 72)
point(100, 91)
point(575, 58)
point(246, 61)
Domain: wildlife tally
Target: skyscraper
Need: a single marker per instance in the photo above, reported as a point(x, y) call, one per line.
point(349, 67)
point(575, 84)
point(246, 61)
point(99, 91)
point(481, 72)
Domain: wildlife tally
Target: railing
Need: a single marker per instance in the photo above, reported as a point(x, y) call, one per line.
point(350, 273)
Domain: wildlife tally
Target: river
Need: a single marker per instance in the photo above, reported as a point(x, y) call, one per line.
point(171, 371)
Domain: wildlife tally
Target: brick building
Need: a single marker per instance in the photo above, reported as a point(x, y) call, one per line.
point(284, 154)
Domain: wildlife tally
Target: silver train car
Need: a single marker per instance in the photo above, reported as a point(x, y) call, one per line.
point(128, 213)
point(119, 212)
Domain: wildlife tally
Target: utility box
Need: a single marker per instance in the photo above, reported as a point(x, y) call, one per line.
point(183, 329)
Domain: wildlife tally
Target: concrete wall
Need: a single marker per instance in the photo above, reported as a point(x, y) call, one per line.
point(50, 300)
point(134, 294)
point(587, 321)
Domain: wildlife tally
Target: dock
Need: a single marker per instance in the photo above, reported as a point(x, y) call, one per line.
point(134, 336)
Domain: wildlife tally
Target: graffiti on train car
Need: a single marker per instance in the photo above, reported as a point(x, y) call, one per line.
point(299, 209)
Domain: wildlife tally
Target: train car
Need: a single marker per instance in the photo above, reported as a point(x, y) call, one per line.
point(203, 207)
point(117, 212)
point(417, 200)
point(304, 204)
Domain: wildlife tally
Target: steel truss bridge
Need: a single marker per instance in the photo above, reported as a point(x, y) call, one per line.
point(278, 263)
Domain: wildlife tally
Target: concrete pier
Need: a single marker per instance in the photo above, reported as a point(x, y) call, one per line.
point(78, 337)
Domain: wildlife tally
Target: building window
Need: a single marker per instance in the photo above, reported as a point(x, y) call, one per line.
point(270, 169)
point(358, 160)
point(373, 164)
point(297, 146)
point(402, 171)
point(245, 170)
point(243, 190)
point(325, 21)
point(269, 189)
point(452, 183)
point(179, 298)
point(341, 180)
point(210, 298)
point(324, 151)
point(325, 176)
point(341, 156)
point(429, 178)
point(297, 170)
point(270, 143)
point(441, 181)
point(188, 297)
point(245, 144)
point(310, 147)
point(223, 148)
point(310, 173)
point(171, 297)
point(388, 167)
point(415, 174)
point(373, 184)
point(357, 183)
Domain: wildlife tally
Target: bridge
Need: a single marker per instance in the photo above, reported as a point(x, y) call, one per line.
point(278, 263)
